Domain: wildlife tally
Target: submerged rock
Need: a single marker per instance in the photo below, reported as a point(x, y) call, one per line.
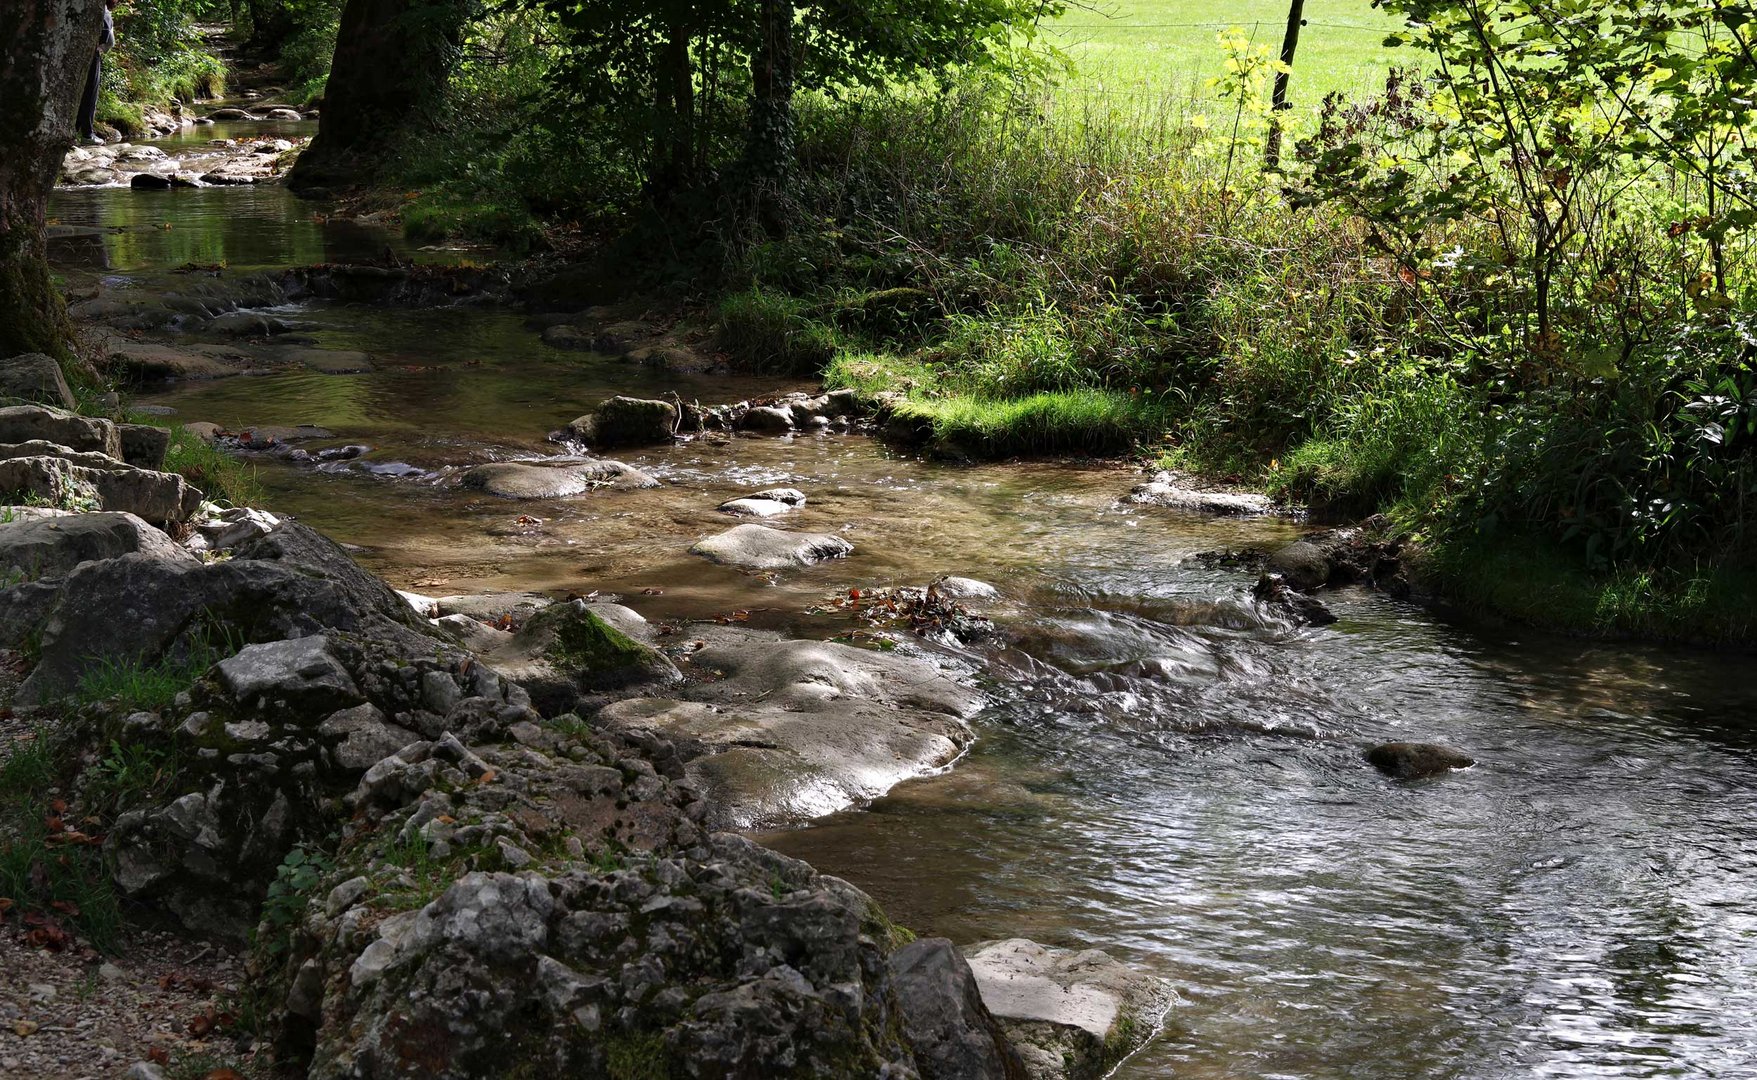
point(789, 730)
point(1072, 1015)
point(1416, 761)
point(758, 547)
point(557, 478)
point(764, 504)
point(1272, 593)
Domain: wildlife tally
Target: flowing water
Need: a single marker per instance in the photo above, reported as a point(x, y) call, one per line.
point(1163, 772)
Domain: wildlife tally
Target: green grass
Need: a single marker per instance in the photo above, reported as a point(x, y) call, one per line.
point(66, 883)
point(222, 478)
point(769, 332)
point(1151, 49)
point(135, 685)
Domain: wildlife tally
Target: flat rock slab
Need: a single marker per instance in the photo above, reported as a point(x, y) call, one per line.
point(758, 547)
point(161, 498)
point(790, 729)
point(558, 478)
point(1070, 1014)
point(1164, 490)
point(40, 423)
point(298, 674)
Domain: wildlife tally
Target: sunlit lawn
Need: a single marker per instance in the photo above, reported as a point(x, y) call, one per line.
point(1161, 48)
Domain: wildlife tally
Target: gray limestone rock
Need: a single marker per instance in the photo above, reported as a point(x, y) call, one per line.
point(1072, 1015)
point(758, 547)
point(1164, 490)
point(34, 378)
point(557, 478)
point(53, 546)
point(28, 423)
point(790, 730)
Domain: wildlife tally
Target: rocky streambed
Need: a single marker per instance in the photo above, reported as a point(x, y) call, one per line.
point(509, 859)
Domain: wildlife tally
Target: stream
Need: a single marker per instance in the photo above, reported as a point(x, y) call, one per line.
point(1163, 772)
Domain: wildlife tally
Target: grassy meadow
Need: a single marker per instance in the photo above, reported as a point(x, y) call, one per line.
point(1158, 49)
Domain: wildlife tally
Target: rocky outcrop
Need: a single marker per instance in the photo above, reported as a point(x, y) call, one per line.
point(555, 478)
point(1417, 761)
point(758, 547)
point(1072, 1015)
point(789, 730)
point(268, 743)
point(572, 917)
point(143, 608)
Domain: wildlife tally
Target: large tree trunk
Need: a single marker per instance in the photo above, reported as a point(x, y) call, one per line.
point(46, 48)
point(391, 62)
point(769, 149)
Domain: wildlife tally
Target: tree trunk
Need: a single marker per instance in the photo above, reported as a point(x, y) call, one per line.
point(769, 150)
point(391, 62)
point(46, 48)
point(674, 166)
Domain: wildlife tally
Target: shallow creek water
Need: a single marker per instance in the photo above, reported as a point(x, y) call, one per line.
point(1162, 772)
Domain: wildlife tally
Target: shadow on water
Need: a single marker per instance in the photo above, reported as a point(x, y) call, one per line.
point(1162, 772)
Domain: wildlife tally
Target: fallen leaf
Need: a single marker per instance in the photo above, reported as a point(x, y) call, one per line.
point(158, 1055)
point(25, 1028)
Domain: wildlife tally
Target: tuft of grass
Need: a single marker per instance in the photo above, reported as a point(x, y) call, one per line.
point(136, 685)
point(43, 873)
point(1051, 422)
point(772, 333)
point(438, 215)
point(222, 478)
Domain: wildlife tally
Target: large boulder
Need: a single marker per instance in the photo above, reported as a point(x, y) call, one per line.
point(757, 547)
point(627, 421)
point(37, 423)
point(1072, 1015)
point(34, 378)
point(792, 729)
point(557, 478)
point(142, 608)
point(51, 547)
